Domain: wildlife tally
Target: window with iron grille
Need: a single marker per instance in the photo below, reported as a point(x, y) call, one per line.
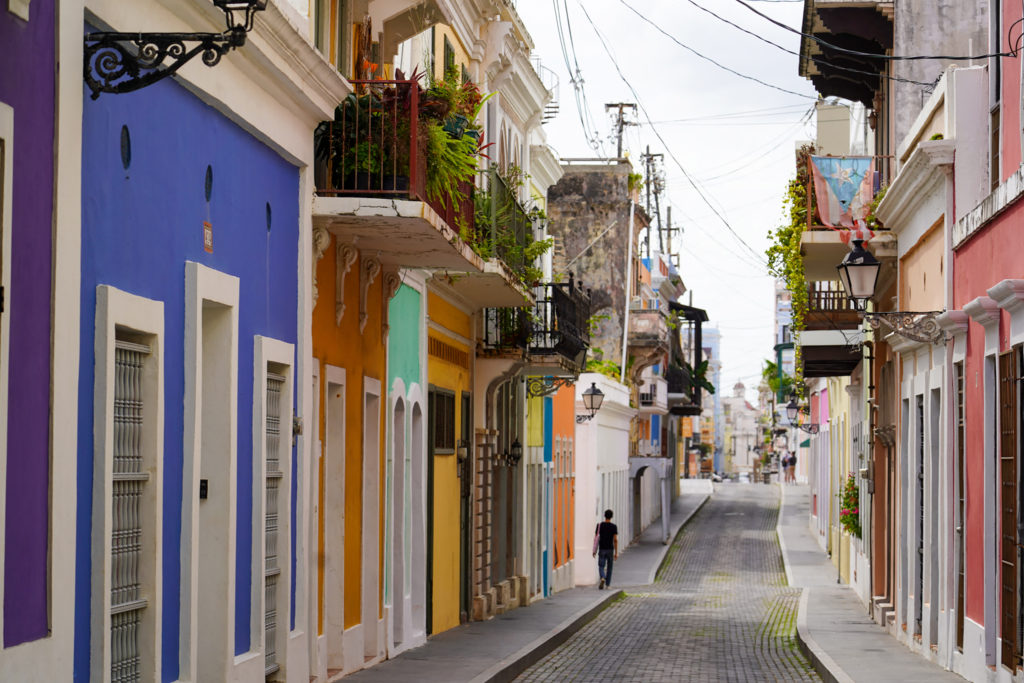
point(127, 601)
point(444, 422)
point(274, 476)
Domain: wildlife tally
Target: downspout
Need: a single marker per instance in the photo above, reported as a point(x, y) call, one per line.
point(629, 284)
point(950, 391)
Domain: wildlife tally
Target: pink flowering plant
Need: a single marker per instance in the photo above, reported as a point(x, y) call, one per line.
point(849, 510)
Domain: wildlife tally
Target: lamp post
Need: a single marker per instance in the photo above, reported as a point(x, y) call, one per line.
point(123, 62)
point(859, 274)
point(592, 399)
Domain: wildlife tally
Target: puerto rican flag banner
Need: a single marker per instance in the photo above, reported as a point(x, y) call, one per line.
point(843, 189)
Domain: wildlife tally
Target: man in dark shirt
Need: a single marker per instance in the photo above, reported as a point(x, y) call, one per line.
point(607, 548)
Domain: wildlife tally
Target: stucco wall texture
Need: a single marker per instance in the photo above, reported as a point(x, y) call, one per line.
point(27, 84)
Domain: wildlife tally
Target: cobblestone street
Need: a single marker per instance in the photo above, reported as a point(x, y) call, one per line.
point(720, 609)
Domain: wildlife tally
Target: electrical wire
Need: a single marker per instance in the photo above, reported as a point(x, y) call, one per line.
point(872, 55)
point(757, 255)
point(785, 49)
point(719, 64)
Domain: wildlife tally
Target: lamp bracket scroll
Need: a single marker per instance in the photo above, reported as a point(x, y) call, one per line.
point(545, 386)
point(125, 62)
point(918, 326)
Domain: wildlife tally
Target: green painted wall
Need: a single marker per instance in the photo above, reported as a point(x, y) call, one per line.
point(405, 318)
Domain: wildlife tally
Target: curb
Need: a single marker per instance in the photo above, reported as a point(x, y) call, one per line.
point(826, 667)
point(508, 668)
point(665, 548)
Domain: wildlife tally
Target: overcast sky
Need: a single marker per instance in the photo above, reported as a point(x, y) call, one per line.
point(733, 136)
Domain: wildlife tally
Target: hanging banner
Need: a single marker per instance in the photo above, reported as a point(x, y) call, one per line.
point(843, 190)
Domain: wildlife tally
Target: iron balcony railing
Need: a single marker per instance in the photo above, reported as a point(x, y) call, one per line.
point(503, 225)
point(375, 146)
point(557, 324)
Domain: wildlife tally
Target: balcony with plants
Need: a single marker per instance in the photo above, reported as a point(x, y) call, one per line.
point(395, 172)
point(829, 204)
point(553, 335)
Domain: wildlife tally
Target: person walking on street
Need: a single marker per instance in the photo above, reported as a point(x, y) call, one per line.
point(606, 548)
point(792, 468)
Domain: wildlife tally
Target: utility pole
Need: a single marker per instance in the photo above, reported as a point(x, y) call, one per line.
point(650, 180)
point(620, 121)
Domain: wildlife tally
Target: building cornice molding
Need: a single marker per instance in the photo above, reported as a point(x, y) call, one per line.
point(1008, 295)
point(953, 322)
point(983, 310)
point(919, 178)
point(1007, 193)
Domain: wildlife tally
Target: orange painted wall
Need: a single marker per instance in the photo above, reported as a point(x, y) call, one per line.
point(563, 427)
point(362, 355)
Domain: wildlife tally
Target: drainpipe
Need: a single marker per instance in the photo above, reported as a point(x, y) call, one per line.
point(629, 282)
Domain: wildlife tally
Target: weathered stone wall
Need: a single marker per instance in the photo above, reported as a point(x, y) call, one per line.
point(582, 205)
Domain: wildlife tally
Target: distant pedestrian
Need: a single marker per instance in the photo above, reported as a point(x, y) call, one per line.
point(784, 466)
point(792, 468)
point(606, 548)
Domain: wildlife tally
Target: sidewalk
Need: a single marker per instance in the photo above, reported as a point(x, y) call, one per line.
point(505, 646)
point(833, 628)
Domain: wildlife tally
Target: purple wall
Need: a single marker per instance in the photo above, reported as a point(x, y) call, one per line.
point(28, 84)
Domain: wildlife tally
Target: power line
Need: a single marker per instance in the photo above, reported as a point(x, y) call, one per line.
point(717, 63)
point(871, 55)
point(782, 47)
point(757, 255)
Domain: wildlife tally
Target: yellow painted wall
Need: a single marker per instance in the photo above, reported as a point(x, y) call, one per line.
point(362, 355)
point(461, 56)
point(456, 378)
point(922, 276)
point(839, 435)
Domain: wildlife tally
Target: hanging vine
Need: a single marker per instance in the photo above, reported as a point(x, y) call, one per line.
point(784, 258)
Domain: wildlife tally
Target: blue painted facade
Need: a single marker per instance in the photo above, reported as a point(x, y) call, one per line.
point(139, 227)
point(549, 497)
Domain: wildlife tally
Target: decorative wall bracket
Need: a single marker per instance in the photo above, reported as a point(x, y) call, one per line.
point(391, 282)
point(346, 255)
point(545, 386)
point(919, 326)
point(321, 240)
point(368, 272)
point(123, 62)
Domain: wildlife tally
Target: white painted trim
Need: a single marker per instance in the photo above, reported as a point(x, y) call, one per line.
point(18, 8)
point(53, 660)
point(144, 317)
point(335, 636)
point(267, 350)
point(6, 202)
point(1009, 295)
point(202, 285)
point(370, 594)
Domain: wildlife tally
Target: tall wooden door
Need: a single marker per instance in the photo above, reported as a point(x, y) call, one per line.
point(1009, 577)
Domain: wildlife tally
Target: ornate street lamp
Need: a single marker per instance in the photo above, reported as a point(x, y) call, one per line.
point(123, 62)
point(592, 399)
point(859, 274)
point(792, 409)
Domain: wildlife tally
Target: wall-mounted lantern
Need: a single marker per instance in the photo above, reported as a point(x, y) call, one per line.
point(592, 399)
